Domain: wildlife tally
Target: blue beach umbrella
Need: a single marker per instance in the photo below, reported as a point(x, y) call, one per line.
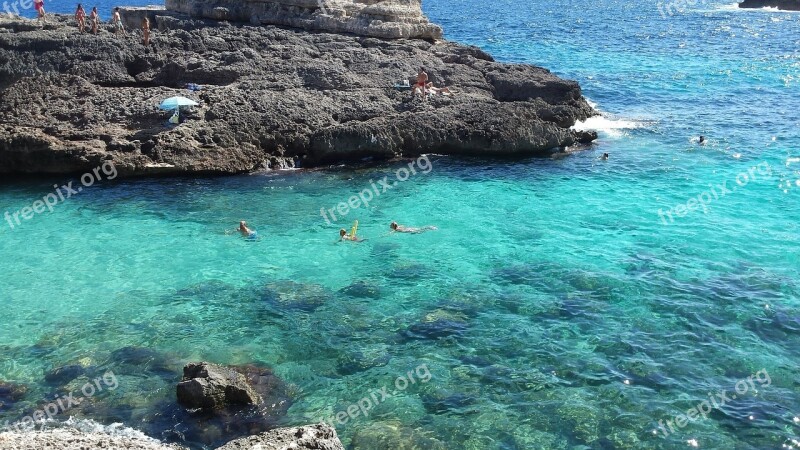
point(176, 102)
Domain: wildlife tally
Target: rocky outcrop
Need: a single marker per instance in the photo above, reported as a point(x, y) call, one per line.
point(206, 385)
point(73, 439)
point(386, 19)
point(314, 437)
point(785, 5)
point(270, 97)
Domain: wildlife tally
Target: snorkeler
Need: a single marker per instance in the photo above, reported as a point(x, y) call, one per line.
point(402, 229)
point(351, 236)
point(246, 231)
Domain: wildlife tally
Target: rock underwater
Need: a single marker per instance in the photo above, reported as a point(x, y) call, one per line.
point(268, 95)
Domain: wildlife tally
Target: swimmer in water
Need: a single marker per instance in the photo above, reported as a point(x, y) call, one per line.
point(402, 229)
point(351, 236)
point(604, 157)
point(702, 140)
point(246, 231)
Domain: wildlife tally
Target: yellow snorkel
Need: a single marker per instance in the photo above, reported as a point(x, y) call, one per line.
point(354, 229)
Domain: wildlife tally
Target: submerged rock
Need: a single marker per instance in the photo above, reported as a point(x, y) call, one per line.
point(11, 393)
point(361, 360)
point(393, 435)
point(438, 324)
point(206, 385)
point(362, 289)
point(64, 374)
point(138, 360)
point(312, 437)
point(293, 295)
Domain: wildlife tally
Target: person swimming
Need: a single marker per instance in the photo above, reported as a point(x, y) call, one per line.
point(351, 236)
point(246, 231)
point(702, 140)
point(604, 157)
point(403, 229)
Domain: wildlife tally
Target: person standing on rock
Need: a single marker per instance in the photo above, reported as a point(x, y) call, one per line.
point(422, 81)
point(146, 31)
point(94, 19)
point(80, 16)
point(39, 5)
point(117, 21)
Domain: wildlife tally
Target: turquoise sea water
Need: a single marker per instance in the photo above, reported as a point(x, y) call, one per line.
point(554, 308)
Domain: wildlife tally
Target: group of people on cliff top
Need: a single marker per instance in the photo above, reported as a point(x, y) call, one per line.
point(94, 20)
point(249, 233)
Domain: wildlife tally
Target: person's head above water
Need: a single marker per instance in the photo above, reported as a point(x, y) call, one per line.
point(242, 224)
point(702, 139)
point(393, 225)
point(342, 232)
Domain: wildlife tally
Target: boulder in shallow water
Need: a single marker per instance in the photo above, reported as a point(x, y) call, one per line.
point(362, 289)
point(11, 393)
point(64, 374)
point(316, 437)
point(292, 295)
point(437, 324)
point(207, 385)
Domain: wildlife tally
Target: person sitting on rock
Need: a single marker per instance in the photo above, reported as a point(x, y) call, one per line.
point(80, 16)
point(146, 31)
point(403, 229)
point(94, 20)
point(422, 81)
point(39, 5)
point(117, 21)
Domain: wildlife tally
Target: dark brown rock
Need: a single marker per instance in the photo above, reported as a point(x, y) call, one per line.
point(206, 385)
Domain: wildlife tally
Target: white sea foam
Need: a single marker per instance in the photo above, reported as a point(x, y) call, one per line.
point(608, 125)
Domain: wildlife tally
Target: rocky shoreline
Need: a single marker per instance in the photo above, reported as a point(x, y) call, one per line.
point(214, 404)
point(783, 5)
point(270, 97)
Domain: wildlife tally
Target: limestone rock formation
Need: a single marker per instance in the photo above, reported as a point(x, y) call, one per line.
point(388, 19)
point(313, 437)
point(270, 96)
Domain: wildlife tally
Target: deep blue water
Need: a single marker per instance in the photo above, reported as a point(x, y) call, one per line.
point(566, 303)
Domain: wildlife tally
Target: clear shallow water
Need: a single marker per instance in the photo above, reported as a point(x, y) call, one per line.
point(554, 308)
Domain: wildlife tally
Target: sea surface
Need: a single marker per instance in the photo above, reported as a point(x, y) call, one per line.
point(566, 303)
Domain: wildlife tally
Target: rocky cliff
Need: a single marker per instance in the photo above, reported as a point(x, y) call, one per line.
point(786, 5)
point(269, 95)
point(388, 19)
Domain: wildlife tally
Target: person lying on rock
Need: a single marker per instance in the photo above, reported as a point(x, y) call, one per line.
point(80, 16)
point(94, 20)
point(403, 229)
point(435, 90)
